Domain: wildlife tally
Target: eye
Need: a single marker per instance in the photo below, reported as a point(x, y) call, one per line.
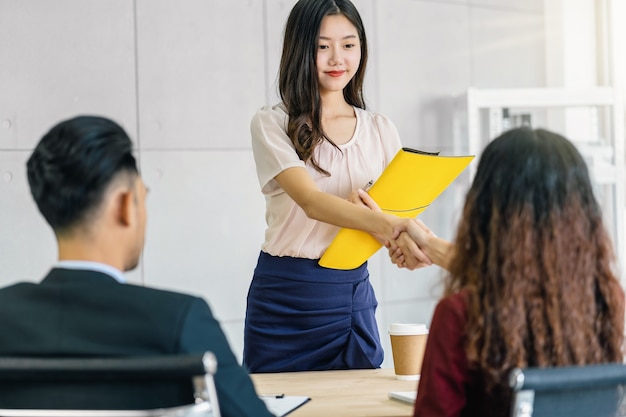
point(349, 46)
point(322, 46)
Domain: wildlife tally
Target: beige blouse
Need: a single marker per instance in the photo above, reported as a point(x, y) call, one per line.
point(289, 231)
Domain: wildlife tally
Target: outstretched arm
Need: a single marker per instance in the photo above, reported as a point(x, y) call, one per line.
point(334, 210)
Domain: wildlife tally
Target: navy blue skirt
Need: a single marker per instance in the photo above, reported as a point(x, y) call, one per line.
point(303, 317)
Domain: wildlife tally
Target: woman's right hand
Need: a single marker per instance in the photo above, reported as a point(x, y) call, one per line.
point(419, 241)
point(410, 245)
point(408, 254)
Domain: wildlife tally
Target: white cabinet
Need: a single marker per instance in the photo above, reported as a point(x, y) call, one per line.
point(593, 119)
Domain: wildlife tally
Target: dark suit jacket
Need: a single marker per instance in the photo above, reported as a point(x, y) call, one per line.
point(87, 313)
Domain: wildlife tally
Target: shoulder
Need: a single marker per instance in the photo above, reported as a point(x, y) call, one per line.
point(276, 114)
point(163, 297)
point(444, 376)
point(9, 292)
point(378, 119)
point(452, 310)
point(380, 132)
point(447, 327)
point(171, 306)
point(268, 128)
point(378, 125)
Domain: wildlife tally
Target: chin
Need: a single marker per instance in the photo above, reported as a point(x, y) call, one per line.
point(334, 87)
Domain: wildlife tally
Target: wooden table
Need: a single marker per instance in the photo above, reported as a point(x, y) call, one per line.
point(351, 393)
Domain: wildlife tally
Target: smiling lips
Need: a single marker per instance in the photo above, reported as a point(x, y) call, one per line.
point(336, 73)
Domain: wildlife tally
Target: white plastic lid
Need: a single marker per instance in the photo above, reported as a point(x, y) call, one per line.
point(407, 328)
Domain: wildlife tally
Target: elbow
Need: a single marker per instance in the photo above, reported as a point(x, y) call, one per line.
point(310, 210)
point(315, 204)
point(310, 206)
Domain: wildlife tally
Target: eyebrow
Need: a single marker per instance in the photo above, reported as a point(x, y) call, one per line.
point(326, 38)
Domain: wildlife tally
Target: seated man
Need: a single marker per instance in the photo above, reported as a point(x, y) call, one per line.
point(85, 181)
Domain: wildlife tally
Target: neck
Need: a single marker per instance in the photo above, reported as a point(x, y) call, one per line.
point(72, 249)
point(333, 103)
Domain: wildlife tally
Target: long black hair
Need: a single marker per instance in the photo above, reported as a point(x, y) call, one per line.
point(298, 80)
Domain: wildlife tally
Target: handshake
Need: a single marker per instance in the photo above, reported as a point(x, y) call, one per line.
point(411, 244)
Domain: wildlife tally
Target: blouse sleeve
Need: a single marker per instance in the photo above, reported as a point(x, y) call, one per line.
point(389, 136)
point(272, 148)
point(444, 376)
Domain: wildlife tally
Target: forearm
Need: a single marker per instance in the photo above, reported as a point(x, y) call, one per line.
point(334, 210)
point(440, 251)
point(329, 208)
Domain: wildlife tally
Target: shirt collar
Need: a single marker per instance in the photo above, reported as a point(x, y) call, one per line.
point(93, 266)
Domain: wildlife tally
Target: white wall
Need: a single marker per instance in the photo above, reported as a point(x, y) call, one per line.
point(185, 77)
point(616, 10)
point(585, 44)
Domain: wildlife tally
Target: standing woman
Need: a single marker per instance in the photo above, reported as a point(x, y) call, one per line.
point(531, 280)
point(312, 151)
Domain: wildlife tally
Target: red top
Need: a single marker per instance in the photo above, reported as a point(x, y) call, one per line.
point(447, 388)
point(444, 375)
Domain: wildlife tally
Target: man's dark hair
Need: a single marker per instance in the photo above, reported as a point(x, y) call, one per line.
point(72, 166)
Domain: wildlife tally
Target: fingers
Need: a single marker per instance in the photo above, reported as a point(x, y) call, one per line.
point(354, 198)
point(368, 200)
point(420, 257)
point(408, 254)
point(363, 199)
point(400, 225)
point(396, 256)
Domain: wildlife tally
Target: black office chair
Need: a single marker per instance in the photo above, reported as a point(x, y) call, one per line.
point(173, 385)
point(572, 391)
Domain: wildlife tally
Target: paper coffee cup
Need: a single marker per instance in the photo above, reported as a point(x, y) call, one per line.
point(408, 342)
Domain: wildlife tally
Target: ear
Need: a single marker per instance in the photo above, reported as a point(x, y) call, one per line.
point(125, 207)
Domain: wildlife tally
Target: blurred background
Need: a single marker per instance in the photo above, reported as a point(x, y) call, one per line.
point(185, 77)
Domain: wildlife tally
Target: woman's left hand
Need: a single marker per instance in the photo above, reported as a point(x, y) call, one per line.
point(362, 198)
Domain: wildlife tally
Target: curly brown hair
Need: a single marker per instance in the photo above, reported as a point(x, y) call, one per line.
point(535, 261)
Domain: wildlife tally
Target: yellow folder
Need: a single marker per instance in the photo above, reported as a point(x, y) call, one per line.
point(409, 184)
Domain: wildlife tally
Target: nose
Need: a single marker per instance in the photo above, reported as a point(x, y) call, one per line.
point(336, 57)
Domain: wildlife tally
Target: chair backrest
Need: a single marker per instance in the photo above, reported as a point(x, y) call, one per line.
point(119, 383)
point(573, 391)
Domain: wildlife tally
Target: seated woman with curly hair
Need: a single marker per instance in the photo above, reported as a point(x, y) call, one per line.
point(530, 278)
